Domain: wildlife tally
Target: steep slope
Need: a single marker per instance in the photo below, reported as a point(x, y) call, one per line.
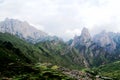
point(82, 43)
point(25, 48)
point(55, 52)
point(61, 53)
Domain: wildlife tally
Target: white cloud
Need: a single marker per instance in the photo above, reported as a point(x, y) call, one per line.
point(40, 27)
point(73, 32)
point(65, 18)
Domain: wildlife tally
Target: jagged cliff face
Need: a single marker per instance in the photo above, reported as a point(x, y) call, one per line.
point(84, 39)
point(101, 49)
point(81, 43)
point(21, 29)
point(85, 36)
point(104, 40)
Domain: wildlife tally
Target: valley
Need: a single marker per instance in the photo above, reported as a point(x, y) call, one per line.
point(30, 54)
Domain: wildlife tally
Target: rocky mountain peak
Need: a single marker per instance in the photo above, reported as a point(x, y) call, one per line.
point(21, 29)
point(85, 32)
point(84, 39)
point(85, 35)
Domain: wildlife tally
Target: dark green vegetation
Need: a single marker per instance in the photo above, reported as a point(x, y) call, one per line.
point(55, 52)
point(18, 60)
point(60, 53)
point(20, 71)
point(111, 70)
point(10, 68)
point(96, 55)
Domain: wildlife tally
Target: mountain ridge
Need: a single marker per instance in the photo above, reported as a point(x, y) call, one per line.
point(23, 30)
point(101, 49)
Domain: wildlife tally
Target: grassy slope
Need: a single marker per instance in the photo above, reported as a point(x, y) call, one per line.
point(61, 53)
point(41, 53)
point(17, 58)
point(14, 51)
point(110, 70)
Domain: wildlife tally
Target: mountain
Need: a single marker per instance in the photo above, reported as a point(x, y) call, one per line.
point(22, 29)
point(101, 49)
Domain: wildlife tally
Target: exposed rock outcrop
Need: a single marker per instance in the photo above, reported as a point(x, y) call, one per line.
point(21, 29)
point(98, 50)
point(104, 40)
point(84, 39)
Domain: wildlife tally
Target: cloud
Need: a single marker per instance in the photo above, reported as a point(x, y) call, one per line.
point(39, 27)
point(70, 33)
point(73, 32)
point(65, 18)
point(1, 1)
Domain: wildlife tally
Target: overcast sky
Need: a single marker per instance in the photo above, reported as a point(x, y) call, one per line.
point(65, 18)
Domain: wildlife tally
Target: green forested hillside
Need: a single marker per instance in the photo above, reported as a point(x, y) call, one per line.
point(51, 52)
point(18, 60)
point(18, 57)
point(62, 53)
point(110, 70)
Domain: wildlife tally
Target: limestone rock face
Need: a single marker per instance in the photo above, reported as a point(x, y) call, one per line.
point(101, 47)
point(84, 39)
point(21, 29)
point(85, 35)
point(104, 40)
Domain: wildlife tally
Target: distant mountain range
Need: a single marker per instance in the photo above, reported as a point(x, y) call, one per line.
point(21, 42)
